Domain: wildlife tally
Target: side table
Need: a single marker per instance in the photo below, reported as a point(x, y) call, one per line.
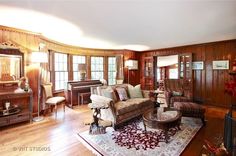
point(98, 126)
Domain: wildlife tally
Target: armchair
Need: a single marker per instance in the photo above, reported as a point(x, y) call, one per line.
point(178, 90)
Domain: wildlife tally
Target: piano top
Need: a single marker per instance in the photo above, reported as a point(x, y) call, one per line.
point(74, 85)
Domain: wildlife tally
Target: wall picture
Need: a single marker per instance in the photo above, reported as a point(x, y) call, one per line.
point(220, 65)
point(198, 65)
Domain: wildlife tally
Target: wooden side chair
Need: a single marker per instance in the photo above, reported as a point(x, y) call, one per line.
point(50, 100)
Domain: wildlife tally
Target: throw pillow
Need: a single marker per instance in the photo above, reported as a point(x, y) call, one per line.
point(135, 92)
point(122, 93)
point(174, 93)
point(99, 91)
point(109, 93)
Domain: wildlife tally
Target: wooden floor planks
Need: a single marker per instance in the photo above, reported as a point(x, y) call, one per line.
point(59, 135)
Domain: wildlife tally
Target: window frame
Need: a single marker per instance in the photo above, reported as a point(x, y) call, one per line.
point(111, 71)
point(54, 70)
point(72, 65)
point(103, 67)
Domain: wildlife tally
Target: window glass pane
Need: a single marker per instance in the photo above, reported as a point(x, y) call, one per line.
point(97, 68)
point(111, 70)
point(61, 74)
point(173, 73)
point(76, 61)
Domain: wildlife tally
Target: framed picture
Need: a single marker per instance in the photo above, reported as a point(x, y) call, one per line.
point(198, 65)
point(220, 65)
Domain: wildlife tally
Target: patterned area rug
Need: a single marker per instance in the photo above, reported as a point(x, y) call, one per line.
point(133, 140)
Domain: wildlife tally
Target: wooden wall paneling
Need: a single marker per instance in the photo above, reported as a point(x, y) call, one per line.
point(1, 35)
point(208, 83)
point(209, 71)
point(70, 67)
point(203, 75)
point(88, 62)
point(105, 66)
point(205, 82)
point(32, 75)
point(197, 75)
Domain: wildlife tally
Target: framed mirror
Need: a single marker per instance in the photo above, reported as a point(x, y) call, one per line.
point(167, 67)
point(11, 65)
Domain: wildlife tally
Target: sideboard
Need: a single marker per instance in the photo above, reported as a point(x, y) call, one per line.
point(22, 101)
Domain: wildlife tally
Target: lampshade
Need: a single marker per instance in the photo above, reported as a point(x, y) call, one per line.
point(39, 57)
point(82, 68)
point(131, 64)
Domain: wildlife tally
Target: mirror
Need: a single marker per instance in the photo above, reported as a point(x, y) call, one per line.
point(11, 67)
point(167, 67)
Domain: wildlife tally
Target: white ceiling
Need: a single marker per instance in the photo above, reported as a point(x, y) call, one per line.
point(152, 24)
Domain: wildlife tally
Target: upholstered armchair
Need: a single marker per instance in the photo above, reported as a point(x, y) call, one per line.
point(178, 90)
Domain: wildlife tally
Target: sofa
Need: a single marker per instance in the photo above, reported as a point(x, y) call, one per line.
point(120, 111)
point(177, 90)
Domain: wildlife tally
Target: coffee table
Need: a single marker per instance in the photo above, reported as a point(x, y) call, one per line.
point(162, 118)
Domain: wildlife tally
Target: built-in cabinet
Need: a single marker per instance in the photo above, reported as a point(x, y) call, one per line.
point(19, 107)
point(148, 70)
point(185, 66)
point(15, 103)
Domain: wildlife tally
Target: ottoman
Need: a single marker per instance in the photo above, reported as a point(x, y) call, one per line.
point(190, 109)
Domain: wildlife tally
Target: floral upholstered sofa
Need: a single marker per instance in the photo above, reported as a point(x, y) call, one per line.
point(119, 109)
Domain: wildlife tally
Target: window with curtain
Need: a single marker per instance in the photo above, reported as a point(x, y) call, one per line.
point(97, 70)
point(112, 66)
point(76, 61)
point(61, 70)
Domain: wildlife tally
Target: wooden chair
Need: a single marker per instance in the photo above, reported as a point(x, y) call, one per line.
point(50, 100)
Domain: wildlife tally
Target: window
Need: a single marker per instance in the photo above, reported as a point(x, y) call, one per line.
point(77, 60)
point(96, 68)
point(173, 73)
point(111, 70)
point(61, 73)
point(158, 73)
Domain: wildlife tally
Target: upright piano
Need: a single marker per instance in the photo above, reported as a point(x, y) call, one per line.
point(76, 89)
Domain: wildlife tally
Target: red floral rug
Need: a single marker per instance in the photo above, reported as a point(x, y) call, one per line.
point(133, 140)
point(133, 136)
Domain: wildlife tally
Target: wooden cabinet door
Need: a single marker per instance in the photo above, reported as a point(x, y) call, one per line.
point(148, 72)
point(185, 66)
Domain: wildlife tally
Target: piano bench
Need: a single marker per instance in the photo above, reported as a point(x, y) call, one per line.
point(81, 97)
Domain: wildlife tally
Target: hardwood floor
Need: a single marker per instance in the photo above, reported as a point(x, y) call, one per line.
point(58, 136)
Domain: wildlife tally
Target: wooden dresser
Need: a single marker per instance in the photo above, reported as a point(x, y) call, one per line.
point(22, 102)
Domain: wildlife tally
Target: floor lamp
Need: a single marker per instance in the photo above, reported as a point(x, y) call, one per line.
point(131, 65)
point(39, 57)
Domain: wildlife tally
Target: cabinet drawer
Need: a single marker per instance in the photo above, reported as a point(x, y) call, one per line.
point(4, 121)
point(19, 118)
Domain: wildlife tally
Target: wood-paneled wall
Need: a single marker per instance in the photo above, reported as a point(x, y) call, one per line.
point(208, 83)
point(29, 41)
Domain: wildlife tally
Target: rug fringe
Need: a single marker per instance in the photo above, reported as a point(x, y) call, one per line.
point(94, 151)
